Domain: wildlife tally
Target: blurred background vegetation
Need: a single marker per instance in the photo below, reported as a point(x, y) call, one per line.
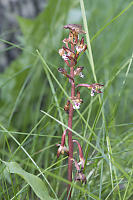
point(26, 87)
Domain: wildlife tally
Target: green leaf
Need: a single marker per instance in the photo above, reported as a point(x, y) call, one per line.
point(25, 25)
point(35, 182)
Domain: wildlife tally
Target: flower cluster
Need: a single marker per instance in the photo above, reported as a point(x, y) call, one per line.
point(79, 175)
point(78, 165)
point(78, 72)
point(62, 148)
point(76, 102)
point(73, 47)
point(70, 55)
point(95, 87)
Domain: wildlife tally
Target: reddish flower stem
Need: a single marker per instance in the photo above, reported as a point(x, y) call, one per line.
point(70, 142)
point(70, 56)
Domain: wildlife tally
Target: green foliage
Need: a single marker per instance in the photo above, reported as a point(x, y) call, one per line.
point(35, 182)
point(103, 124)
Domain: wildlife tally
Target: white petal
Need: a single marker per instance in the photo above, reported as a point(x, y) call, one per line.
point(92, 92)
point(76, 106)
point(81, 75)
point(64, 57)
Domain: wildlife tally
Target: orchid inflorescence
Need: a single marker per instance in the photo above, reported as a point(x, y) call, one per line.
point(73, 47)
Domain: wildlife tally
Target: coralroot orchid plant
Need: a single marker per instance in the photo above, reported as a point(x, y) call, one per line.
point(70, 53)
